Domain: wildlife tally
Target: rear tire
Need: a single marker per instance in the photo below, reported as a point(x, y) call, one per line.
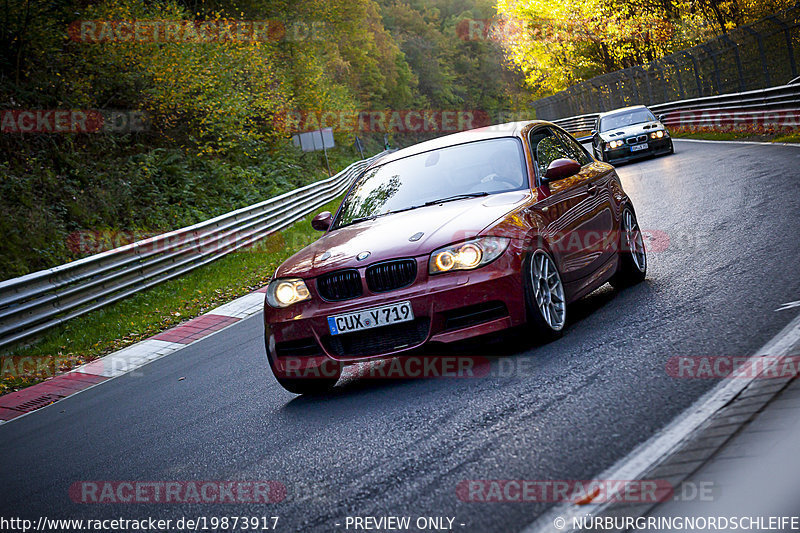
point(544, 297)
point(632, 267)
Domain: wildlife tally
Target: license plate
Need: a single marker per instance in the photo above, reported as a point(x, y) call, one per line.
point(637, 147)
point(371, 318)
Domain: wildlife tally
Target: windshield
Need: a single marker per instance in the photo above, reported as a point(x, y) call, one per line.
point(620, 120)
point(451, 173)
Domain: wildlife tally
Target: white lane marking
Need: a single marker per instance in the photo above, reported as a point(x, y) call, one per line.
point(641, 458)
point(789, 305)
point(759, 143)
point(242, 307)
point(130, 358)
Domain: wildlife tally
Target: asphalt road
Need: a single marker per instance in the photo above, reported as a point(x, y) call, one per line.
point(378, 447)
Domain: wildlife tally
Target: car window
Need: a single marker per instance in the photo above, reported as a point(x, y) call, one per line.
point(573, 147)
point(626, 118)
point(482, 167)
point(546, 147)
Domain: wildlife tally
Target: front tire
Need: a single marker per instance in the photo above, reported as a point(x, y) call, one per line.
point(600, 156)
point(309, 386)
point(313, 384)
point(632, 267)
point(544, 295)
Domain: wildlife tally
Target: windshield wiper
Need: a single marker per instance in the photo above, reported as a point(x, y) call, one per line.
point(432, 202)
point(457, 197)
point(361, 219)
point(373, 217)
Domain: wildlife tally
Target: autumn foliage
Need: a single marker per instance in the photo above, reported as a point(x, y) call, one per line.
point(215, 103)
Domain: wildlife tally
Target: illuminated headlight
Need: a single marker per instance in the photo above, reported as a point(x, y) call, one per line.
point(657, 134)
point(615, 144)
point(467, 255)
point(285, 292)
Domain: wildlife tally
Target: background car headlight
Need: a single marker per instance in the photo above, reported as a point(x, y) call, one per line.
point(285, 292)
point(467, 255)
point(657, 134)
point(615, 144)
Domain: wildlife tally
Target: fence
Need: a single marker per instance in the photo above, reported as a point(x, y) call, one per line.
point(32, 304)
point(777, 107)
point(750, 57)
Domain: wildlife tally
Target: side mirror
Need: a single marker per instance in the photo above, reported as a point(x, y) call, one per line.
point(661, 118)
point(562, 168)
point(322, 221)
point(593, 132)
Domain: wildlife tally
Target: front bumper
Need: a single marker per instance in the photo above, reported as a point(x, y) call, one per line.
point(447, 307)
point(624, 153)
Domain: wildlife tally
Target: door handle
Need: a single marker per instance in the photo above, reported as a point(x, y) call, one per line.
point(591, 189)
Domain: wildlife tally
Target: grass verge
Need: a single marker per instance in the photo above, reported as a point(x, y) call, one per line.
point(150, 312)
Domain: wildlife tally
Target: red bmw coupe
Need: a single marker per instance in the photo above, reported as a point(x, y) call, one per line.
point(452, 238)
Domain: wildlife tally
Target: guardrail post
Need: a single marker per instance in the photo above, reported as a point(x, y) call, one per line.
point(586, 97)
point(649, 84)
point(761, 53)
point(662, 79)
point(672, 61)
point(696, 73)
point(789, 48)
point(735, 49)
point(629, 72)
point(596, 93)
point(713, 55)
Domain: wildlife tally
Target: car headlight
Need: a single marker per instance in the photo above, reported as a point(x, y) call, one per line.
point(657, 134)
point(615, 144)
point(467, 255)
point(285, 292)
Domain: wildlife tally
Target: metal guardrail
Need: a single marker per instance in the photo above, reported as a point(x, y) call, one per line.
point(32, 304)
point(775, 106)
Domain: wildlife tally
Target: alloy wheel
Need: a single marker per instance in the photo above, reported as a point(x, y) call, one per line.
point(548, 291)
point(634, 241)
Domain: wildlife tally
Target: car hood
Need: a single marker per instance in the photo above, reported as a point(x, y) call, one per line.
point(389, 236)
point(633, 129)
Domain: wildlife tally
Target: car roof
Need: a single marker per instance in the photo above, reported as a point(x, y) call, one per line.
point(496, 131)
point(619, 110)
